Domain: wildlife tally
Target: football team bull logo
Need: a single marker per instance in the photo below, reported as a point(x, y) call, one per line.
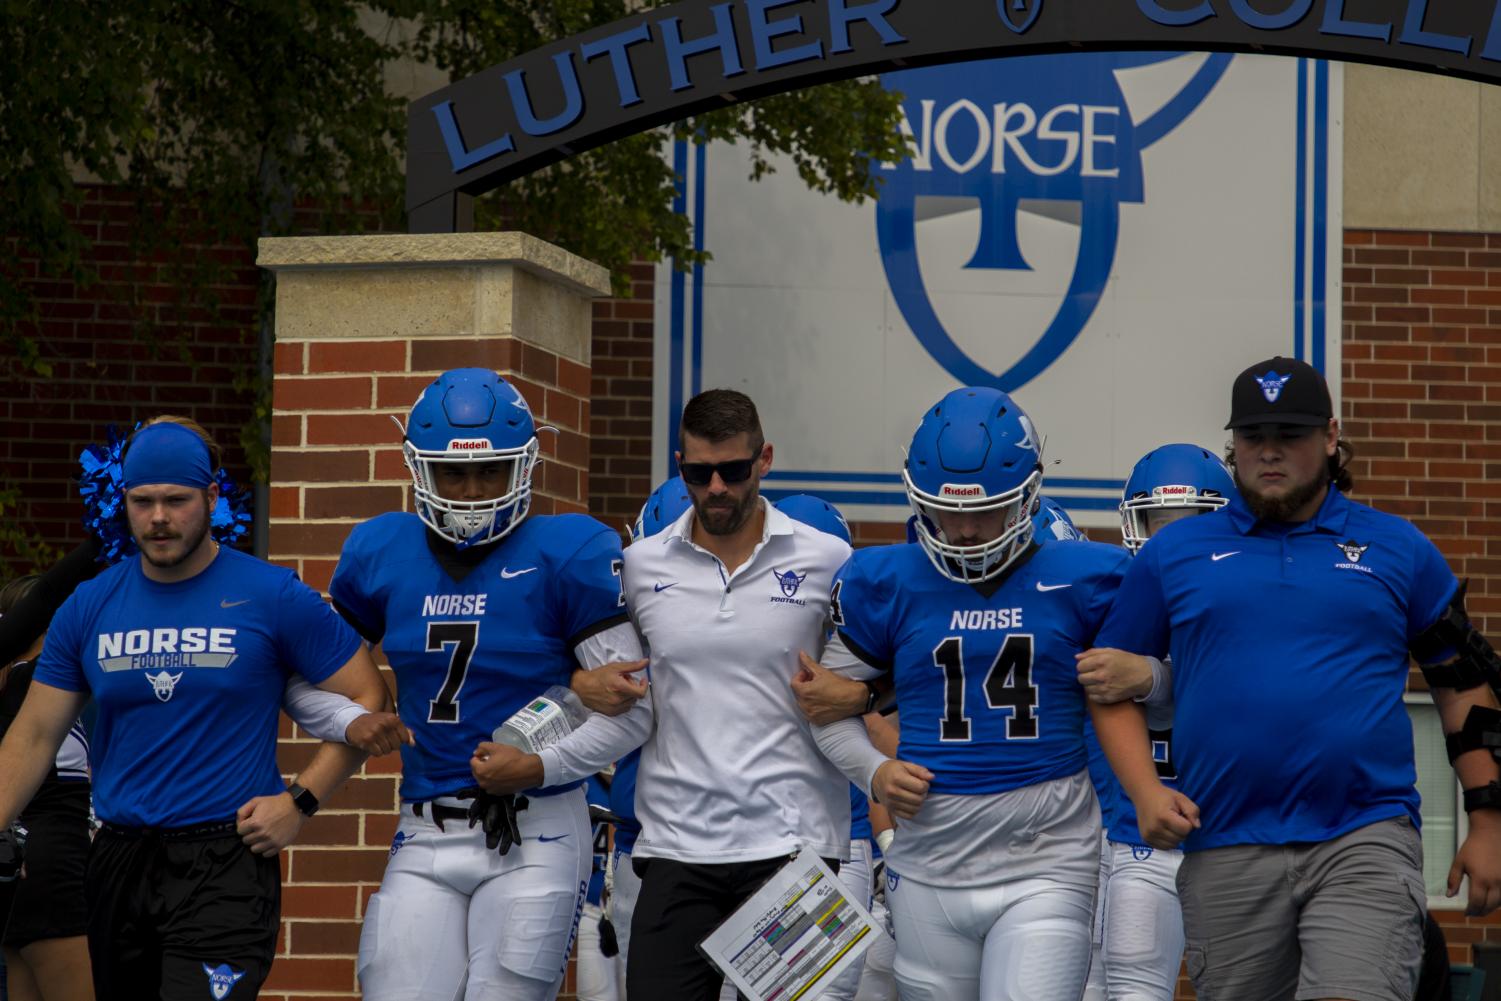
point(1049, 135)
point(1271, 385)
point(222, 979)
point(1353, 550)
point(164, 684)
point(789, 581)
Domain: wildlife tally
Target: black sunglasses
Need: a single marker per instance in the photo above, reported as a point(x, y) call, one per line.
point(698, 474)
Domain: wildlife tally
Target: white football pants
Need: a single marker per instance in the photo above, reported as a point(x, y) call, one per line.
point(599, 977)
point(624, 891)
point(1138, 934)
point(1026, 940)
point(456, 921)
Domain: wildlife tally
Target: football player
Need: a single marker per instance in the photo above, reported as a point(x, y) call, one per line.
point(1138, 922)
point(1052, 522)
point(991, 877)
point(480, 609)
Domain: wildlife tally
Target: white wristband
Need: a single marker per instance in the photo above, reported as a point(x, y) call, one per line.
point(885, 838)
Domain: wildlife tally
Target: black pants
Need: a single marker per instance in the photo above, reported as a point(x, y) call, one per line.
point(48, 903)
point(180, 915)
point(680, 903)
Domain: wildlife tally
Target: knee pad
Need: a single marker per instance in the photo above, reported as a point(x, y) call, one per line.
point(537, 936)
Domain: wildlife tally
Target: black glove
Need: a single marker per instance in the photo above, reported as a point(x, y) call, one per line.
point(12, 853)
point(609, 943)
point(498, 815)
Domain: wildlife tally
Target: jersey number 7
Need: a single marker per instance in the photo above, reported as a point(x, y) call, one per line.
point(462, 637)
point(1008, 685)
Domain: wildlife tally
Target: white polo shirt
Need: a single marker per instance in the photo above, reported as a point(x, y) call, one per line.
point(730, 771)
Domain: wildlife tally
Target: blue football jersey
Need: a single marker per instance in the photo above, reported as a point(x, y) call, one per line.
point(985, 675)
point(1117, 813)
point(859, 815)
point(623, 801)
point(188, 678)
point(469, 650)
point(597, 795)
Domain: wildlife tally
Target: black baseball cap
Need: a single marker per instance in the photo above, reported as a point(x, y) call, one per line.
point(1280, 391)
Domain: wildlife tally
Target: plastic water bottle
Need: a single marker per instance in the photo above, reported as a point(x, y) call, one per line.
point(543, 721)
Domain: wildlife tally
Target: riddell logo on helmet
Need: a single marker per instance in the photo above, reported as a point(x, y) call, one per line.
point(469, 445)
point(1174, 491)
point(957, 490)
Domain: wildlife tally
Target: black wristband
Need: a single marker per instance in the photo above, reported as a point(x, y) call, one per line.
point(1487, 797)
point(873, 698)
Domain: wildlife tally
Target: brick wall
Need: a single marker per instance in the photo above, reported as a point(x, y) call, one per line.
point(620, 432)
point(1422, 405)
point(124, 349)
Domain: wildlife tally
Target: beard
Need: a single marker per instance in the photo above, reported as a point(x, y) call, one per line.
point(725, 516)
point(1279, 508)
point(192, 541)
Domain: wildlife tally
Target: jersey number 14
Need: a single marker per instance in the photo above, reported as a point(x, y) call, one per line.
point(1008, 685)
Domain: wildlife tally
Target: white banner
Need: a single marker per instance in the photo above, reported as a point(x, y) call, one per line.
point(1108, 237)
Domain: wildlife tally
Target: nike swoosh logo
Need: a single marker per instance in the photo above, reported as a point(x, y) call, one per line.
point(544, 838)
point(511, 574)
point(663, 587)
point(1051, 587)
point(232, 604)
point(1216, 557)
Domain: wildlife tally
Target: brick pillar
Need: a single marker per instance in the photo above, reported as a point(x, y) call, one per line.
point(362, 325)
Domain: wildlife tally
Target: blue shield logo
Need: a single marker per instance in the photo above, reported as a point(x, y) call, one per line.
point(1051, 136)
point(1018, 15)
point(1141, 852)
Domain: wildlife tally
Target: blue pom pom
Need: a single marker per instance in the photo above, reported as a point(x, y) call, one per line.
point(101, 484)
point(102, 488)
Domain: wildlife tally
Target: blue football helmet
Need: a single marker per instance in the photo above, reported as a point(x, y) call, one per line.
point(975, 452)
point(1052, 522)
point(1172, 477)
point(471, 415)
point(665, 506)
point(816, 513)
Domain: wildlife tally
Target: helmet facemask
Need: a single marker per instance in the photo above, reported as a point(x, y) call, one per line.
point(472, 523)
point(982, 561)
point(1135, 529)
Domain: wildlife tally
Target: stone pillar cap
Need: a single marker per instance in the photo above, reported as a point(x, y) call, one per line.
point(428, 250)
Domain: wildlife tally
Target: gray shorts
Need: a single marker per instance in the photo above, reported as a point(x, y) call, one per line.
point(1334, 919)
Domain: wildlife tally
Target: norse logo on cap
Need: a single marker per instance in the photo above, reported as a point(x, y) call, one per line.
point(1271, 384)
point(1018, 15)
point(1353, 550)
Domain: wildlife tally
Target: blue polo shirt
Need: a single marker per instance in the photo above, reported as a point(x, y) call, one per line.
point(1289, 647)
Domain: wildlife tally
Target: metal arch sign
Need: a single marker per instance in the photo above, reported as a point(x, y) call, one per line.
point(665, 64)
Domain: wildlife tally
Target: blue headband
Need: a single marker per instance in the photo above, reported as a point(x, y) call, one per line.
point(167, 453)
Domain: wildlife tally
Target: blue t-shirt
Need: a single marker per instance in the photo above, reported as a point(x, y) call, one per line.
point(469, 652)
point(859, 815)
point(597, 795)
point(985, 675)
point(623, 801)
point(189, 679)
point(1289, 648)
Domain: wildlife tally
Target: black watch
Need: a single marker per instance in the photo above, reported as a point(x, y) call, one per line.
point(303, 799)
point(873, 698)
